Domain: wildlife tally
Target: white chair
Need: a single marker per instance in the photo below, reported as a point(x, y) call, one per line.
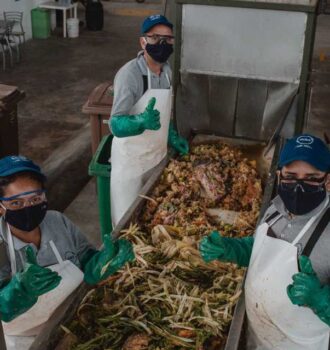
point(16, 18)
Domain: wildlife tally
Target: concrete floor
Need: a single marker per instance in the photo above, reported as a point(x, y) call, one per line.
point(58, 74)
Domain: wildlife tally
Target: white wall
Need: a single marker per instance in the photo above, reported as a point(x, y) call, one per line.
point(24, 6)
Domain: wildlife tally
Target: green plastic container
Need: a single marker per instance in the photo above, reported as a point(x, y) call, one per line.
point(40, 19)
point(101, 169)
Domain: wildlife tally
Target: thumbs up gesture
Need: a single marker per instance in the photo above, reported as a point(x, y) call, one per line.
point(37, 280)
point(23, 290)
point(150, 116)
point(306, 290)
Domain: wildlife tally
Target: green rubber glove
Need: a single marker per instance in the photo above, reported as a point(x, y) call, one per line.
point(235, 250)
point(23, 290)
point(306, 290)
point(177, 142)
point(109, 260)
point(131, 125)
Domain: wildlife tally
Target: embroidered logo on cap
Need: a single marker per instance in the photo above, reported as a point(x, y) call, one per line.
point(154, 17)
point(18, 158)
point(305, 140)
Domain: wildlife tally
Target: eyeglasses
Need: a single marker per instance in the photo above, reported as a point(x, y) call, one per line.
point(159, 39)
point(308, 185)
point(16, 203)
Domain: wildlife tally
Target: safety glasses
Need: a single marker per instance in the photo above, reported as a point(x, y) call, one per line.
point(19, 201)
point(307, 185)
point(159, 39)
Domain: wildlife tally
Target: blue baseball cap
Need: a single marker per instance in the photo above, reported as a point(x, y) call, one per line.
point(307, 148)
point(15, 164)
point(152, 21)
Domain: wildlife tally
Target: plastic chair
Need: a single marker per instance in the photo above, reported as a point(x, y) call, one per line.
point(8, 41)
point(11, 39)
point(3, 45)
point(17, 19)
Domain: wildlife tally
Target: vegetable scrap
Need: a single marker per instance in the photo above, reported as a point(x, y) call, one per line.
point(169, 298)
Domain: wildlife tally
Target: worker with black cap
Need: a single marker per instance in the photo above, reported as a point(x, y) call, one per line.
point(141, 113)
point(287, 289)
point(43, 255)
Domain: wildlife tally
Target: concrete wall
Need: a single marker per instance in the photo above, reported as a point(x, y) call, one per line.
point(24, 6)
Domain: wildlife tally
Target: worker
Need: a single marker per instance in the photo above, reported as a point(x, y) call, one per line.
point(287, 289)
point(140, 116)
point(43, 256)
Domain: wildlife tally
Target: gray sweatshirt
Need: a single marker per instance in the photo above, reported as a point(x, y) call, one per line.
point(289, 226)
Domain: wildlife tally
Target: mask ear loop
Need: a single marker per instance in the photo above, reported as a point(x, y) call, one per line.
point(145, 42)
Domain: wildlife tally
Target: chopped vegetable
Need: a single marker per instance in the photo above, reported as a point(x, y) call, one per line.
point(169, 298)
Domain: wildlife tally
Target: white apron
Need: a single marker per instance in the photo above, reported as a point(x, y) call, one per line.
point(273, 321)
point(20, 332)
point(133, 156)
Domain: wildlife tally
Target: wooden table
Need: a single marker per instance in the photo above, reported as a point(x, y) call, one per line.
point(52, 5)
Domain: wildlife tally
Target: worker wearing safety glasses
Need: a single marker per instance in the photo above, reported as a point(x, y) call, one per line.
point(43, 256)
point(287, 289)
point(140, 115)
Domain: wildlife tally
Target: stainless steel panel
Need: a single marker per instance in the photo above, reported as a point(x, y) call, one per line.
point(243, 42)
point(192, 108)
point(222, 104)
point(279, 97)
point(251, 101)
point(234, 107)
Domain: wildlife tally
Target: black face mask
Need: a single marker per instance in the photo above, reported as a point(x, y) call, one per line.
point(27, 218)
point(302, 198)
point(159, 52)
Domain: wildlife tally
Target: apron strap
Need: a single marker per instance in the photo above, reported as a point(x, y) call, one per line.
point(56, 252)
point(149, 79)
point(145, 83)
point(319, 229)
point(272, 218)
point(12, 256)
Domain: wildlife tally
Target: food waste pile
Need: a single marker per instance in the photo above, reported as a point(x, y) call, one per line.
point(169, 299)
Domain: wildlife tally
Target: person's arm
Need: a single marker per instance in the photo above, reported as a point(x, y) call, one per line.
point(108, 261)
point(84, 250)
point(132, 125)
point(127, 91)
point(98, 265)
point(23, 290)
point(306, 290)
point(235, 250)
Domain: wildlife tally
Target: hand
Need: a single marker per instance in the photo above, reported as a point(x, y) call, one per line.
point(211, 247)
point(235, 250)
point(109, 260)
point(37, 280)
point(306, 290)
point(150, 116)
point(23, 290)
point(179, 143)
point(306, 285)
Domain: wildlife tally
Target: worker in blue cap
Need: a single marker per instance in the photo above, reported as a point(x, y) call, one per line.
point(43, 255)
point(287, 289)
point(140, 115)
